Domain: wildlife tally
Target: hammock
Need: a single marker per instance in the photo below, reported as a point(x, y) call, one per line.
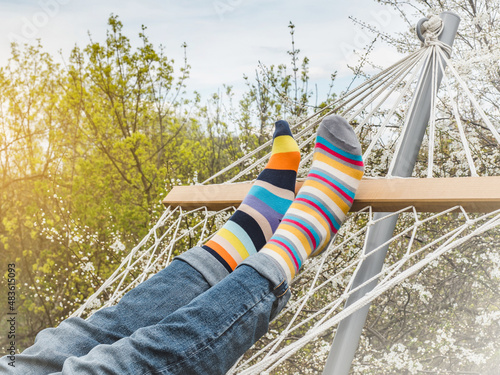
point(457, 192)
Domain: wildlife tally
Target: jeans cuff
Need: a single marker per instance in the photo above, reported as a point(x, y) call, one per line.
point(203, 262)
point(268, 268)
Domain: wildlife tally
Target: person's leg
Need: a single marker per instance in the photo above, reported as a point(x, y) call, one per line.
point(206, 336)
point(216, 328)
point(324, 199)
point(188, 276)
point(147, 304)
point(258, 216)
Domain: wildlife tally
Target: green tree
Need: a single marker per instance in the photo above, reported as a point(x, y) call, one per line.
point(87, 151)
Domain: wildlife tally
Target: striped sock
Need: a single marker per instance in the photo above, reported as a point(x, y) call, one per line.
point(322, 203)
point(260, 213)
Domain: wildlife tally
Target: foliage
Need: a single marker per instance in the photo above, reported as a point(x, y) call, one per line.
point(87, 151)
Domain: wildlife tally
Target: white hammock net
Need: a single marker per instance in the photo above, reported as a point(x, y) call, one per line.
point(377, 109)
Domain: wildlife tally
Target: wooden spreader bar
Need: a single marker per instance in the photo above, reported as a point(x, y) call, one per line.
point(475, 194)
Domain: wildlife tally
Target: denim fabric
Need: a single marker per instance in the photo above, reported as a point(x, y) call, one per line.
point(147, 304)
point(202, 261)
point(206, 336)
point(268, 268)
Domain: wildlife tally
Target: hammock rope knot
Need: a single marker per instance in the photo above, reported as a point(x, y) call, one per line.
point(431, 29)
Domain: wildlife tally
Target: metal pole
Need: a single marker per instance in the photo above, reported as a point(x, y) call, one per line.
point(349, 330)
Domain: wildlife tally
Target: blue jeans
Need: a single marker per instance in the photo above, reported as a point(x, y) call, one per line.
point(190, 318)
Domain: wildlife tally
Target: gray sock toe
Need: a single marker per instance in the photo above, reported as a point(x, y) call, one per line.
point(337, 130)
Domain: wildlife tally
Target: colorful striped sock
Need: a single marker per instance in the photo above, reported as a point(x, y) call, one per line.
point(323, 201)
point(260, 213)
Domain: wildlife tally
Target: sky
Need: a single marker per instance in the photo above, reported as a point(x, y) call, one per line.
point(226, 39)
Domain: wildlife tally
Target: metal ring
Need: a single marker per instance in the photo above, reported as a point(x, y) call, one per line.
point(418, 27)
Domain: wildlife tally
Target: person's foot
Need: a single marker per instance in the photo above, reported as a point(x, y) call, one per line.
point(260, 213)
point(323, 201)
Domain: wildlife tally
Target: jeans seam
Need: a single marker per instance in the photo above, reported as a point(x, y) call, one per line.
point(209, 342)
point(277, 286)
point(282, 294)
